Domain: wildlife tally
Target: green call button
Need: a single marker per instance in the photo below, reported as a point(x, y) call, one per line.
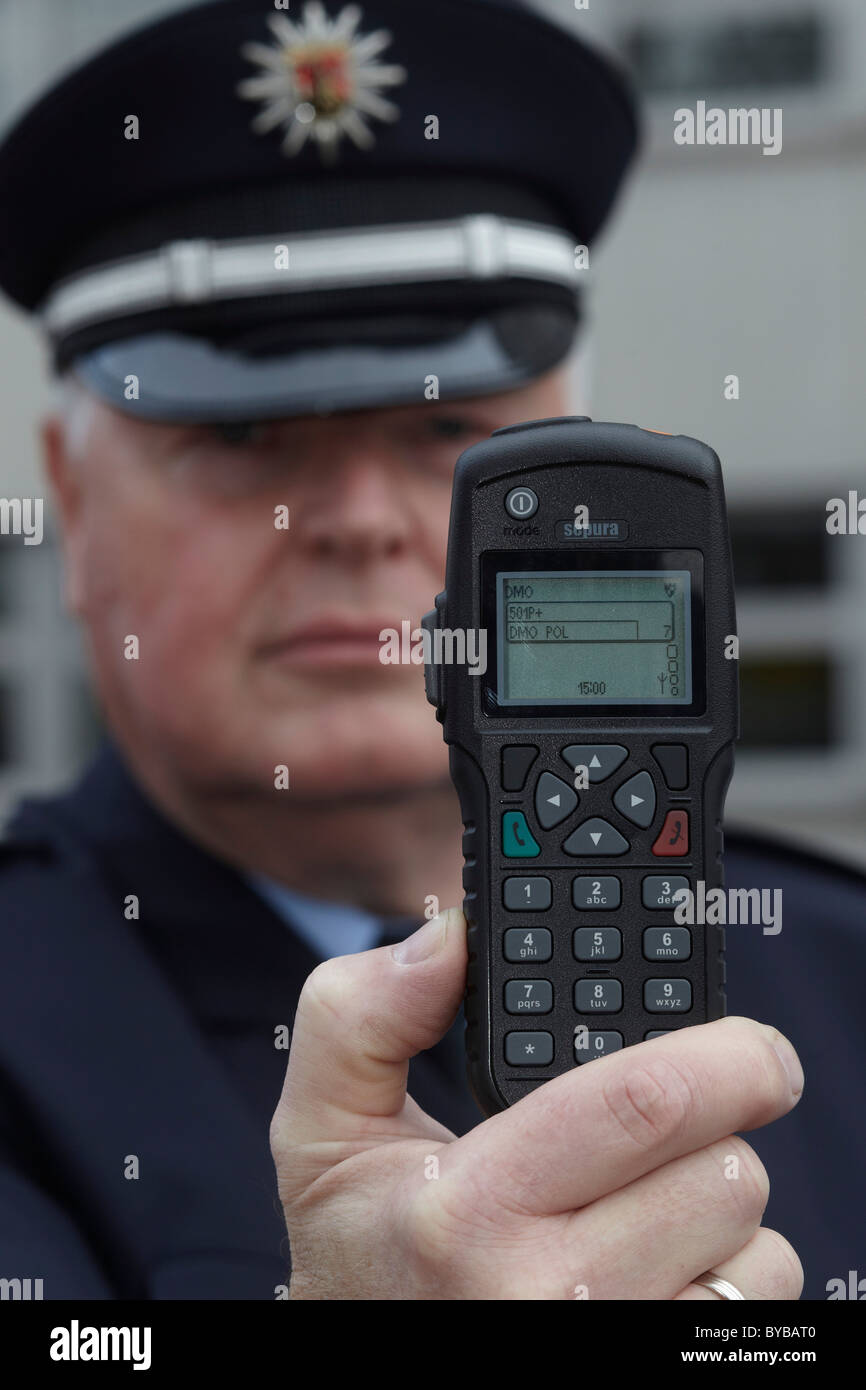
point(517, 839)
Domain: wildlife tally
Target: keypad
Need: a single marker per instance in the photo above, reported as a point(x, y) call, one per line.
point(565, 808)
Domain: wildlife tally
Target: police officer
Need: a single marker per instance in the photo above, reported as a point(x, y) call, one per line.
point(288, 267)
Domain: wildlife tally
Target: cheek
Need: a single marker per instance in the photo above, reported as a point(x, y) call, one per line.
point(170, 585)
point(435, 531)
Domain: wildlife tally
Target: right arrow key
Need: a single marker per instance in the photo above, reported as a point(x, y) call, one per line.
point(636, 800)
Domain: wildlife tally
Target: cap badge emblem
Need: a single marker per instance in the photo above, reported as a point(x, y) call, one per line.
point(322, 80)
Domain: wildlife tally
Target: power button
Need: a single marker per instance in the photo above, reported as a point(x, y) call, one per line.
point(521, 503)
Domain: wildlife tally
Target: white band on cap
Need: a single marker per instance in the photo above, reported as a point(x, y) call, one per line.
point(201, 271)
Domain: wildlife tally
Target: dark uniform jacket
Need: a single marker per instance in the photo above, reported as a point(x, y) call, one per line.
point(151, 1041)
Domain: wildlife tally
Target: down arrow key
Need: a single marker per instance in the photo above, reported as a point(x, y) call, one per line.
point(596, 837)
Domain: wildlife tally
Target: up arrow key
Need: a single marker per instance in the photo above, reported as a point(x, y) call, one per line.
point(601, 760)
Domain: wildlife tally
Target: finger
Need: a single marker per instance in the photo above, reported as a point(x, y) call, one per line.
point(360, 1019)
point(607, 1123)
point(767, 1267)
point(650, 1239)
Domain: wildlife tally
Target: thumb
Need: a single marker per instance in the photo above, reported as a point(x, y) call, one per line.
point(360, 1019)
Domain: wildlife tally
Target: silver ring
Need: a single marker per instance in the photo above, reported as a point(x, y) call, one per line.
point(720, 1286)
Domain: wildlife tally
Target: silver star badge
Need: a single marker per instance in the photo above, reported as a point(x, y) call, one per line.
point(322, 80)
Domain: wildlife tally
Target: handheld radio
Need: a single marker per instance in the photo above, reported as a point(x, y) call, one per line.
point(592, 746)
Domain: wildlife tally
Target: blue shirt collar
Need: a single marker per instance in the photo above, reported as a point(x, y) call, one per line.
point(329, 929)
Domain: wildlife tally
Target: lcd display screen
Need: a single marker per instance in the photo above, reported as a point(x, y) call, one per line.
point(595, 637)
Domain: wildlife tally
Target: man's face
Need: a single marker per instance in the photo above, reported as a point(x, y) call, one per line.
point(259, 645)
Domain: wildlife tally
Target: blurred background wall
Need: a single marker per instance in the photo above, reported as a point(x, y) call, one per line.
point(721, 261)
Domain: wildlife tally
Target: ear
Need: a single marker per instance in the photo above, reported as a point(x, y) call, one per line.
point(66, 483)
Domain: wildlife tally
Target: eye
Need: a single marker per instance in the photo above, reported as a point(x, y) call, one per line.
point(239, 434)
point(454, 427)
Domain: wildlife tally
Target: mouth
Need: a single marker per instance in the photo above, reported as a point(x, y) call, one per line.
point(330, 644)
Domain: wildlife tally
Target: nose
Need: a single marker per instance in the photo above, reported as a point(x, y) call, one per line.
point(358, 508)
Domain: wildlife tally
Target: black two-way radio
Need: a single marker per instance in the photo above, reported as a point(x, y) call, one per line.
point(591, 740)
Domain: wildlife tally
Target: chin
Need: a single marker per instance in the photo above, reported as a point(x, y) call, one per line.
point(343, 746)
point(370, 752)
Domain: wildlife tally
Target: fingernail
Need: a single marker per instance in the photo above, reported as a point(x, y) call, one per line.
point(423, 943)
point(791, 1062)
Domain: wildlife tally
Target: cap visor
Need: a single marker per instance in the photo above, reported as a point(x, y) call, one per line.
point(172, 377)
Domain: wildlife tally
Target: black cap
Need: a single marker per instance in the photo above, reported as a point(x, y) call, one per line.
point(243, 212)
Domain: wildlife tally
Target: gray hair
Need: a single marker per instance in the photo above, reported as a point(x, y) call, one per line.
point(74, 405)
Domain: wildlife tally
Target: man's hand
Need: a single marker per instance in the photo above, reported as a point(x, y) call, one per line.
point(620, 1180)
